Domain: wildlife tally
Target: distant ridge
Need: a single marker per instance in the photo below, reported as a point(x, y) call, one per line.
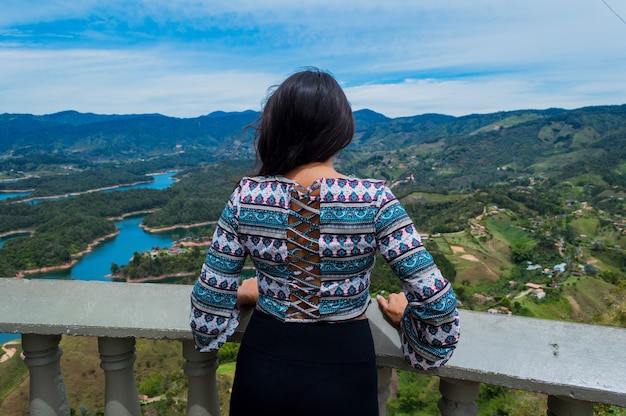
point(219, 114)
point(556, 142)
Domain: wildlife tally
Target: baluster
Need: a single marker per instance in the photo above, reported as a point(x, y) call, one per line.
point(47, 390)
point(564, 406)
point(117, 356)
point(458, 397)
point(384, 387)
point(200, 368)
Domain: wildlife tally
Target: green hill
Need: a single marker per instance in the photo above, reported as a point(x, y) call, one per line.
point(503, 200)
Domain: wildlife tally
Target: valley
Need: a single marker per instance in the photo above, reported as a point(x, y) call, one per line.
point(523, 211)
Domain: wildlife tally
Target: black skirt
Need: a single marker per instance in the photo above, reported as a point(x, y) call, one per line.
point(305, 369)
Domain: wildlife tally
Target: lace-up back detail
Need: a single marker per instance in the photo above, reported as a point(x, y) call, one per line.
point(303, 233)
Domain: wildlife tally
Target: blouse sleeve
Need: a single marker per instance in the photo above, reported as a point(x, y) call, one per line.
point(214, 313)
point(430, 325)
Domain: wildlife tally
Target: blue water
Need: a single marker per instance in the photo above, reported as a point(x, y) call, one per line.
point(161, 181)
point(96, 265)
point(5, 239)
point(7, 195)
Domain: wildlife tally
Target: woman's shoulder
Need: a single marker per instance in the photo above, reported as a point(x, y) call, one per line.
point(263, 185)
point(354, 183)
point(335, 185)
point(353, 190)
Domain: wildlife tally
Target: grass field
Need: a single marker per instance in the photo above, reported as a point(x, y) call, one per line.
point(477, 262)
point(83, 378)
point(585, 225)
point(226, 369)
point(425, 197)
point(503, 228)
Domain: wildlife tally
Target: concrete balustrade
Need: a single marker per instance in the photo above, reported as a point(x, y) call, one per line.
point(47, 391)
point(117, 356)
point(576, 365)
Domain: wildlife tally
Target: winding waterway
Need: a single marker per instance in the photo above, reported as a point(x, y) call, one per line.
point(96, 265)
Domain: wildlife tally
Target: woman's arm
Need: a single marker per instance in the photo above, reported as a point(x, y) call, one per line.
point(214, 312)
point(429, 322)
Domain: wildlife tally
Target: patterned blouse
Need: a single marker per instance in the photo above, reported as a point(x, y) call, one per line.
point(346, 221)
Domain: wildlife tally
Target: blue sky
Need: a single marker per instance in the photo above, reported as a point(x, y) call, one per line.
point(187, 58)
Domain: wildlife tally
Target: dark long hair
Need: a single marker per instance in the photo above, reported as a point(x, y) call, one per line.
point(306, 119)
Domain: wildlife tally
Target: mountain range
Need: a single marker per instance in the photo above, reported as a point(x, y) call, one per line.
point(556, 142)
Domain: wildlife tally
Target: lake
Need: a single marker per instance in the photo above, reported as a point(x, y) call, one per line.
point(96, 265)
point(7, 195)
point(161, 181)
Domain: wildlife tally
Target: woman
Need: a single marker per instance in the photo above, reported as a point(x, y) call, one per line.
point(312, 233)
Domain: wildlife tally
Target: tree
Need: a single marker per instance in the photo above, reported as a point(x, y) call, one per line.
point(521, 251)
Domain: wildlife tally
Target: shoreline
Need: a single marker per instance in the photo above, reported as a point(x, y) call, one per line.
point(71, 263)
point(131, 214)
point(120, 278)
point(22, 231)
point(9, 349)
point(183, 243)
point(75, 256)
point(106, 188)
point(93, 244)
point(174, 227)
point(88, 191)
point(17, 191)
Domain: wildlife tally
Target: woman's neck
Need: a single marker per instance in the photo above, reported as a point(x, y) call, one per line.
point(306, 174)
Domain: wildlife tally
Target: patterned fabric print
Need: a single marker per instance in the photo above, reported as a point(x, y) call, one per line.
point(214, 314)
point(347, 287)
point(273, 288)
point(424, 287)
point(429, 326)
point(417, 261)
point(342, 246)
point(349, 214)
point(428, 346)
point(214, 291)
point(336, 309)
point(211, 332)
point(338, 268)
point(353, 190)
point(357, 217)
point(267, 249)
point(430, 323)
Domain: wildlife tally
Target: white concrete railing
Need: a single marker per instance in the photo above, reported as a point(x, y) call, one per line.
point(576, 365)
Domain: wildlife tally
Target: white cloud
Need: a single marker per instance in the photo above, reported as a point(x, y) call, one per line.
point(190, 57)
point(462, 97)
point(122, 82)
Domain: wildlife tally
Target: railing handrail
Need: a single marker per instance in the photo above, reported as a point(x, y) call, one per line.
point(579, 361)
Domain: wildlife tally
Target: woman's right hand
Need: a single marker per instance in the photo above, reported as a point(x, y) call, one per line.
point(248, 292)
point(393, 307)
